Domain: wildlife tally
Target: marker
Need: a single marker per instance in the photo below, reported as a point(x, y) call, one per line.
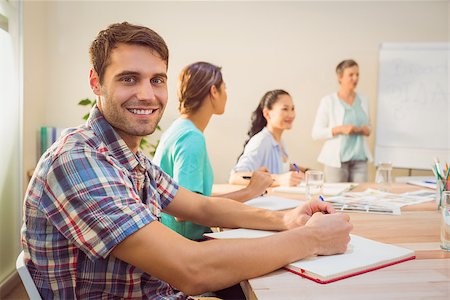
point(321, 198)
point(296, 168)
point(430, 182)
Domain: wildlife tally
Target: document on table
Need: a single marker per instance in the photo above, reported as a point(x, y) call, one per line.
point(329, 189)
point(375, 201)
point(431, 184)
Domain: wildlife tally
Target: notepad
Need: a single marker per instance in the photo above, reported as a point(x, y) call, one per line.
point(431, 184)
point(273, 203)
point(329, 189)
point(362, 256)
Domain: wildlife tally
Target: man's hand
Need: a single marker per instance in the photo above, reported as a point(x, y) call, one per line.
point(301, 214)
point(331, 232)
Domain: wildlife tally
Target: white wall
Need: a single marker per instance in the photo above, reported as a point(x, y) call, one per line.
point(261, 46)
point(10, 136)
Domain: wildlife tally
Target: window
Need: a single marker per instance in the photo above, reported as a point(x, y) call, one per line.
point(10, 134)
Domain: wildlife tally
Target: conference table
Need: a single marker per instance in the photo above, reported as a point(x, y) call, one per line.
point(417, 228)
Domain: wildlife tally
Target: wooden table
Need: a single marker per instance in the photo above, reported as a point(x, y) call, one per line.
point(417, 228)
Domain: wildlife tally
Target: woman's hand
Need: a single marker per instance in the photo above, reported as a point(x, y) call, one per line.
point(259, 182)
point(344, 129)
point(290, 178)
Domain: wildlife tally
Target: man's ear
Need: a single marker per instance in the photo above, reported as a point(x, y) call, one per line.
point(94, 81)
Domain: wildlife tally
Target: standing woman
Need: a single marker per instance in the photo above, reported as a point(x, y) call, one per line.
point(182, 153)
point(342, 120)
point(264, 148)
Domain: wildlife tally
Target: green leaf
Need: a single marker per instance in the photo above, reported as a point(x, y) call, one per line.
point(85, 101)
point(86, 116)
point(144, 143)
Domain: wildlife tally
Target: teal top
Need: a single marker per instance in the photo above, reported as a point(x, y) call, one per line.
point(352, 146)
point(182, 154)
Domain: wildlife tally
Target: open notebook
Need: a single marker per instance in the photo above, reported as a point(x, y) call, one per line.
point(363, 255)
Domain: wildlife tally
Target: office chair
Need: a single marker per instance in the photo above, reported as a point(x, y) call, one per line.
point(25, 275)
point(32, 290)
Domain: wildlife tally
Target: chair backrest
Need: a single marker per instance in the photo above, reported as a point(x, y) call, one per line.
point(25, 275)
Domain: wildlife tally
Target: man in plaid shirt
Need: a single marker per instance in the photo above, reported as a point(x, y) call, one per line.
point(91, 222)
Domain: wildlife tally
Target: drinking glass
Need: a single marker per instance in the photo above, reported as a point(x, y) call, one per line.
point(383, 176)
point(314, 183)
point(445, 221)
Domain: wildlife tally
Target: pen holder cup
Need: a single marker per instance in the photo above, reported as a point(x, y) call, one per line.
point(442, 185)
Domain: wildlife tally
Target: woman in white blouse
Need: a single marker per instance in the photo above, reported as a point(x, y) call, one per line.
point(342, 120)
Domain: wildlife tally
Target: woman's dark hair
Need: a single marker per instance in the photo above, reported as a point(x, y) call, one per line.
point(194, 84)
point(258, 122)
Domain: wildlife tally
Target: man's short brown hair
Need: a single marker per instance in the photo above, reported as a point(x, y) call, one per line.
point(126, 33)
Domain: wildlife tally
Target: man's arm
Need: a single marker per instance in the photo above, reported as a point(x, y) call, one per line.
point(195, 268)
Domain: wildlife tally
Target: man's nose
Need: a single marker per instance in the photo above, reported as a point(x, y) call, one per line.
point(146, 91)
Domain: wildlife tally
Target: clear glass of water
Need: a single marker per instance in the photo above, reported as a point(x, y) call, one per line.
point(445, 221)
point(314, 183)
point(383, 176)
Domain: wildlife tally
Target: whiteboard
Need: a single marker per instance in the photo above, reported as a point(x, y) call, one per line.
point(412, 124)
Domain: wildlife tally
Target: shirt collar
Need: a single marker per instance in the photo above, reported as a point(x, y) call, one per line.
point(272, 139)
point(274, 142)
point(115, 144)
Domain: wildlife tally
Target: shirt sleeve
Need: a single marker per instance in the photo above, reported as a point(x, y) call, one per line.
point(254, 156)
point(91, 202)
point(322, 129)
point(189, 162)
point(165, 185)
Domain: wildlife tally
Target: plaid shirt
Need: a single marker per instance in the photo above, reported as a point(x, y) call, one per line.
point(88, 193)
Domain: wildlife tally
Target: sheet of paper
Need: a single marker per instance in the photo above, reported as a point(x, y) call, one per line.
point(431, 184)
point(273, 202)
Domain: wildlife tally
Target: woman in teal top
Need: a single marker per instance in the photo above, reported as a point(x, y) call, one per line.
point(182, 153)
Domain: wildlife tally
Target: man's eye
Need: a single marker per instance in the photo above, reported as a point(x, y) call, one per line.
point(128, 79)
point(158, 80)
